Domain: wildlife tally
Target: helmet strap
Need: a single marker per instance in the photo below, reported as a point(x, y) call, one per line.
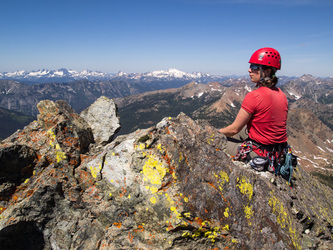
point(262, 77)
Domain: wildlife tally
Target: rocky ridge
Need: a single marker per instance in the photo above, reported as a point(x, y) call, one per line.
point(307, 128)
point(170, 186)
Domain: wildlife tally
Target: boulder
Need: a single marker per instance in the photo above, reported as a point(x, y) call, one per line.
point(103, 118)
point(171, 186)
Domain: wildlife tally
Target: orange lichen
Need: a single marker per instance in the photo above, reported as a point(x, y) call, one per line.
point(117, 224)
point(123, 192)
point(130, 237)
point(2, 209)
point(140, 229)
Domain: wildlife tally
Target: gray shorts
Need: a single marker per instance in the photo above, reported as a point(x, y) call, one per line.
point(236, 140)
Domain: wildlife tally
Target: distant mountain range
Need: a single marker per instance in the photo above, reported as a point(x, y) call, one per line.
point(60, 75)
point(65, 75)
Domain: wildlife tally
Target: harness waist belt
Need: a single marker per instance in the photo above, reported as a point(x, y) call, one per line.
point(272, 147)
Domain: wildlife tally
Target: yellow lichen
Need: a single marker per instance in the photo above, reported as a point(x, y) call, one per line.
point(187, 215)
point(245, 187)
point(141, 146)
point(211, 233)
point(154, 170)
point(160, 148)
point(278, 210)
point(171, 201)
point(234, 241)
point(283, 218)
point(226, 212)
point(223, 179)
point(95, 170)
point(153, 189)
point(59, 154)
point(153, 200)
point(186, 234)
point(248, 212)
point(210, 139)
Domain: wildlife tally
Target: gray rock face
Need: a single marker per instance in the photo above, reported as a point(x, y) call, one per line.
point(103, 118)
point(171, 186)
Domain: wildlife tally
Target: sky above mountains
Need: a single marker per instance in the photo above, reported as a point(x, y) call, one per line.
point(211, 36)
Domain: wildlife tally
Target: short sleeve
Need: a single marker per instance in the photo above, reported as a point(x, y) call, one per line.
point(249, 103)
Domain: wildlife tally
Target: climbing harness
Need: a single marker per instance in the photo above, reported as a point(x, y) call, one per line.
point(276, 158)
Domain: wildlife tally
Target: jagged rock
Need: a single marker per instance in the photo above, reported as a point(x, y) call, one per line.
point(60, 114)
point(103, 118)
point(171, 186)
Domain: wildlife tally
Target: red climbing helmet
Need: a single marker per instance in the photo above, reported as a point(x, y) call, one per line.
point(267, 56)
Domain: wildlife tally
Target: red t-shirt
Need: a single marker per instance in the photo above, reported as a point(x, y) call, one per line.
point(269, 109)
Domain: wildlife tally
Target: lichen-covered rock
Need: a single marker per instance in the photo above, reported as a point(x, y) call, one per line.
point(35, 165)
point(171, 186)
point(60, 114)
point(103, 118)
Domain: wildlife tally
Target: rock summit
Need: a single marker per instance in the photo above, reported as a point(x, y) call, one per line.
point(66, 185)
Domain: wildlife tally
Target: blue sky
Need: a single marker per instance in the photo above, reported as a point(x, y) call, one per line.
point(136, 36)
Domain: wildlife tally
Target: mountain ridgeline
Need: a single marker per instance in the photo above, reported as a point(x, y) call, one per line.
point(143, 100)
point(65, 75)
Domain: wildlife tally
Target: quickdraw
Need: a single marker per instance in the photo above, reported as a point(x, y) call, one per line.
point(243, 151)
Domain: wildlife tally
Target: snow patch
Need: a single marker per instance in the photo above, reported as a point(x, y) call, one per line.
point(293, 94)
point(321, 158)
point(330, 150)
point(248, 88)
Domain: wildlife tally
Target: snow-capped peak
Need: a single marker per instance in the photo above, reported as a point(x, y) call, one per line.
point(175, 73)
point(167, 73)
point(64, 75)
